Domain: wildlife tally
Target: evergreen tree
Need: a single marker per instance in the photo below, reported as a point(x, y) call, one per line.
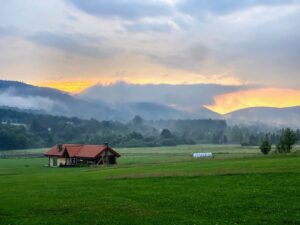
point(265, 145)
point(287, 140)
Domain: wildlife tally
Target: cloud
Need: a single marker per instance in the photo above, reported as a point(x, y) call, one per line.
point(136, 9)
point(8, 98)
point(161, 27)
point(200, 8)
point(265, 52)
point(151, 41)
point(260, 14)
point(191, 58)
point(7, 31)
point(74, 43)
point(188, 97)
point(126, 9)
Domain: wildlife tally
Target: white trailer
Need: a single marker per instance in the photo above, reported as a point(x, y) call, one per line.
point(203, 155)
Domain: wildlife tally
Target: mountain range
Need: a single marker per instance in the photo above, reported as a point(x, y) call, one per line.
point(123, 101)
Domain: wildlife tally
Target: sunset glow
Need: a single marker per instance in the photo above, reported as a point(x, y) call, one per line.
point(173, 79)
point(264, 97)
point(68, 86)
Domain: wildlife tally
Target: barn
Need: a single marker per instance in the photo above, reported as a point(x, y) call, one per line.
point(78, 154)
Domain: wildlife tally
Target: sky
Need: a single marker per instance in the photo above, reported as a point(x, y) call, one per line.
point(74, 44)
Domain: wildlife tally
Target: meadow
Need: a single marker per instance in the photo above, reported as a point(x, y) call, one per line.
point(162, 185)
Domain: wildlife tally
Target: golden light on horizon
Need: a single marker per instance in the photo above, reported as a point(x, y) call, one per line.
point(263, 97)
point(68, 86)
point(77, 86)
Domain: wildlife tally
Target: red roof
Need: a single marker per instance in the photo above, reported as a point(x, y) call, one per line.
point(79, 150)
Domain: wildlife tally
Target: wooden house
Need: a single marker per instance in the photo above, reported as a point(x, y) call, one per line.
point(79, 154)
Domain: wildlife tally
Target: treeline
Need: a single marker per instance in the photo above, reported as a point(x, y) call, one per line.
point(14, 137)
point(285, 144)
point(20, 130)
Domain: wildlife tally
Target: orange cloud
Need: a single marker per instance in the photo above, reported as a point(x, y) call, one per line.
point(67, 86)
point(264, 97)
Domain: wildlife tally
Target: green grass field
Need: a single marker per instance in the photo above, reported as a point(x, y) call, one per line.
point(156, 186)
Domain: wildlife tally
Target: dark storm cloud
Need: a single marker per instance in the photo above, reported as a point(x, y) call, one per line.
point(132, 9)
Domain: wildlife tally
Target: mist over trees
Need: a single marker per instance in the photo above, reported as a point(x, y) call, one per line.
point(19, 130)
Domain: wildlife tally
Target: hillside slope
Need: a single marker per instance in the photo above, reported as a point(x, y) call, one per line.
point(267, 115)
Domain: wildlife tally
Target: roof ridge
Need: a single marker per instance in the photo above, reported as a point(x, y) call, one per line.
point(73, 144)
point(81, 150)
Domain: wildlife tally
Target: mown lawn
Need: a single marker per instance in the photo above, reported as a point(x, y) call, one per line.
point(155, 186)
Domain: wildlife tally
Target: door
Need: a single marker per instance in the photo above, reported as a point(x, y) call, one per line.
point(111, 159)
point(54, 161)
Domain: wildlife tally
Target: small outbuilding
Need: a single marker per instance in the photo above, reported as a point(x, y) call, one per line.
point(79, 154)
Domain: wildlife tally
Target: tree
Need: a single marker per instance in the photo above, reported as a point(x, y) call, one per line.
point(287, 140)
point(37, 126)
point(265, 145)
point(13, 137)
point(137, 120)
point(135, 135)
point(166, 134)
point(236, 135)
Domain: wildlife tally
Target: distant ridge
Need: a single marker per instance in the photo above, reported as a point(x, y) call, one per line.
point(268, 115)
point(55, 102)
point(41, 100)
